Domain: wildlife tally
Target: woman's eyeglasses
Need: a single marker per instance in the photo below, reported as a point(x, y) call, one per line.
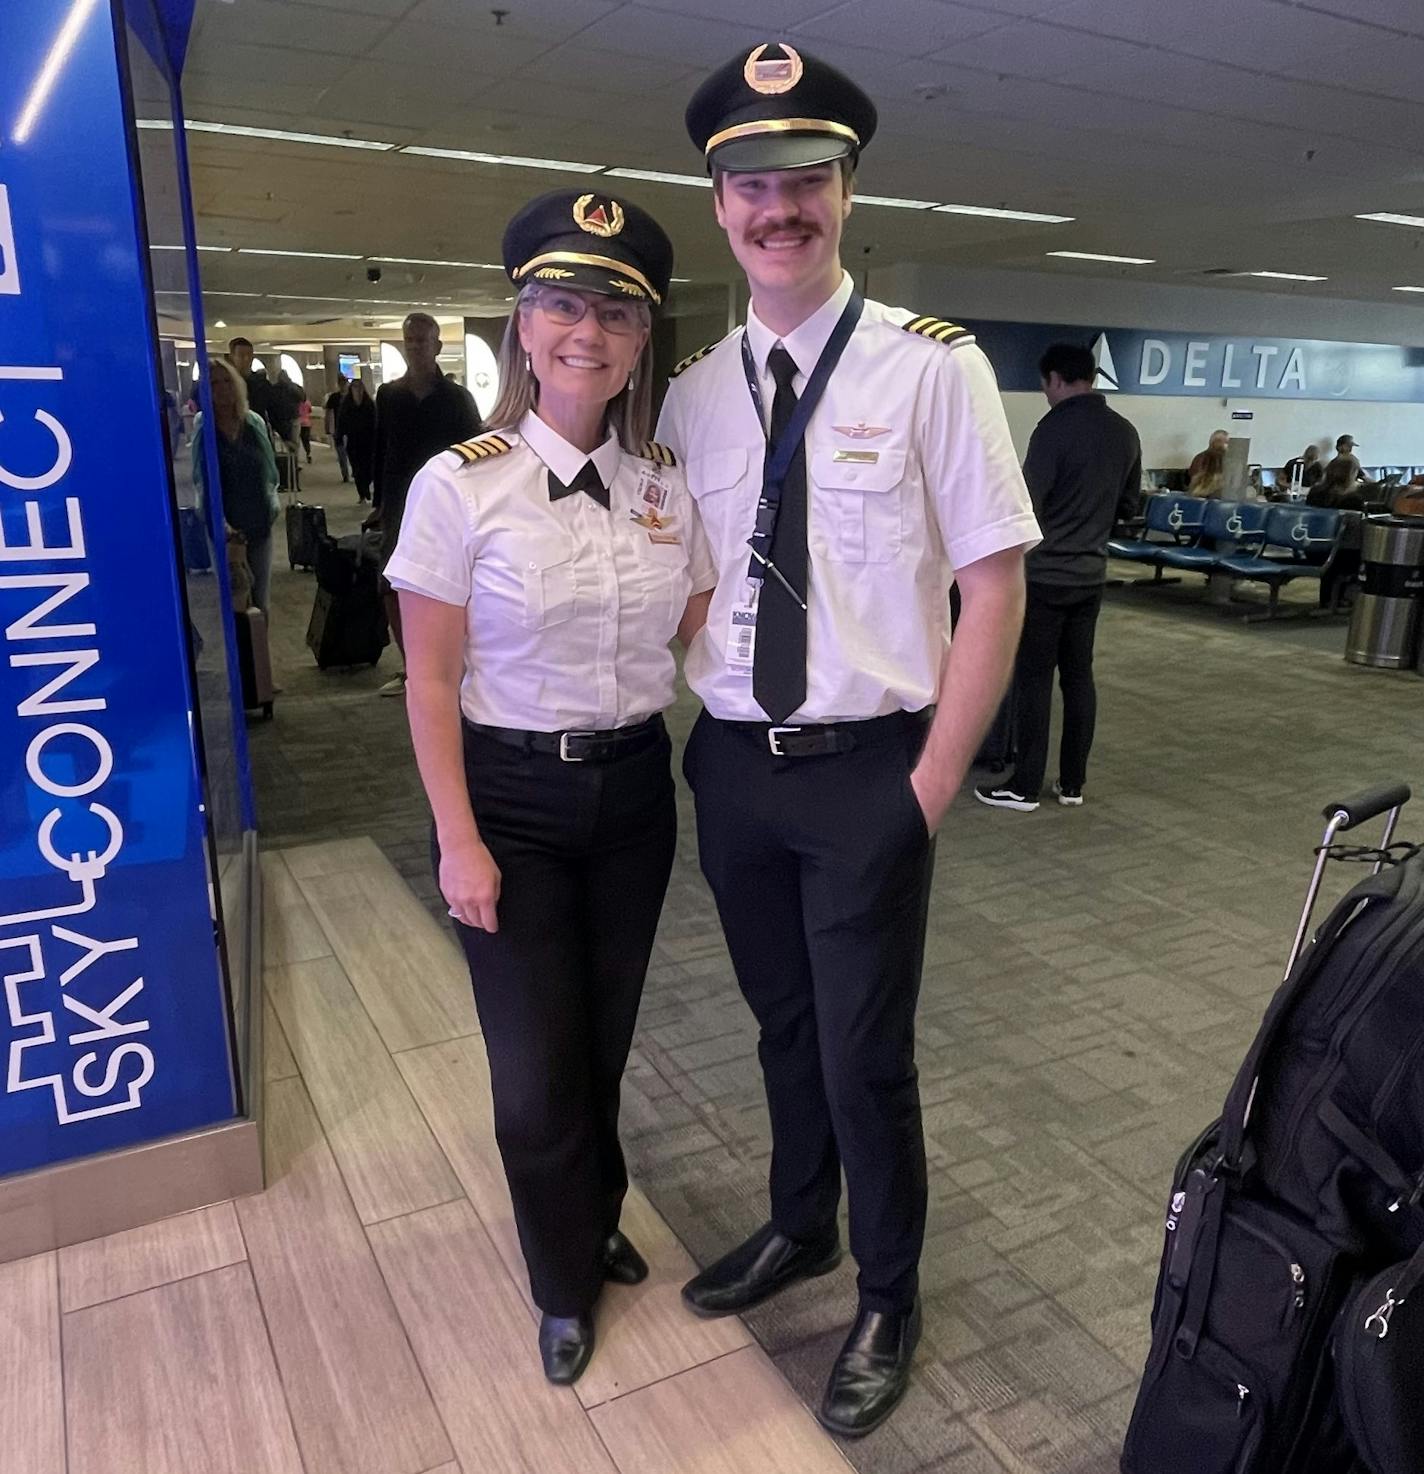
point(567, 308)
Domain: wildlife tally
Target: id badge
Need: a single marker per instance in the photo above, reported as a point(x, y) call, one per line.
point(652, 492)
point(741, 633)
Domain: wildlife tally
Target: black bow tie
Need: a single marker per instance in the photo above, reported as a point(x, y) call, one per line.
point(587, 480)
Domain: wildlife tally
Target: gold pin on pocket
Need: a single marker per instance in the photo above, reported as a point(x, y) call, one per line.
point(857, 457)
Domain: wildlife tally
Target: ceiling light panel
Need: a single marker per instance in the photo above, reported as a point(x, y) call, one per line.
point(893, 202)
point(419, 261)
point(657, 176)
point(1097, 256)
point(1387, 219)
point(516, 161)
point(1407, 289)
point(310, 255)
point(1285, 276)
point(996, 214)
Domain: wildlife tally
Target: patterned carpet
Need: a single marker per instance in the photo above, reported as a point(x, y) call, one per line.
point(1092, 979)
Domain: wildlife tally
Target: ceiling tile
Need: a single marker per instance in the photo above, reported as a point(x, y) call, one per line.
point(919, 25)
point(305, 27)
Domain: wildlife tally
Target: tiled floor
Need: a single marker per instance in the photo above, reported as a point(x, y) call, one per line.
point(1092, 979)
point(367, 1314)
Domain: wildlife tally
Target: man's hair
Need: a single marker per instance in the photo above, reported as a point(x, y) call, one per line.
point(1343, 441)
point(235, 343)
point(420, 319)
point(846, 164)
point(1070, 361)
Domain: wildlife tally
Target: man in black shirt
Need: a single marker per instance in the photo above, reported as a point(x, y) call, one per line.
point(330, 411)
point(417, 416)
point(1084, 473)
point(259, 387)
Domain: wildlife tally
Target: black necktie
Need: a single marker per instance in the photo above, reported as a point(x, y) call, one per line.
point(587, 480)
point(779, 665)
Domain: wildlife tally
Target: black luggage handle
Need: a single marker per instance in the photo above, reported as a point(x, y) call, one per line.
point(1360, 808)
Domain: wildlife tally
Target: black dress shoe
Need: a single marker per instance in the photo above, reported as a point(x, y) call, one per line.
point(756, 1270)
point(622, 1263)
point(565, 1345)
point(872, 1372)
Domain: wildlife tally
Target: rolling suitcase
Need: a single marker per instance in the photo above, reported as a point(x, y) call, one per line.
point(348, 621)
point(197, 556)
point(1309, 1185)
point(306, 526)
point(254, 662)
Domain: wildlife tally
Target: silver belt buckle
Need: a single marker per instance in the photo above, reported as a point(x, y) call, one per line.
point(773, 736)
point(565, 756)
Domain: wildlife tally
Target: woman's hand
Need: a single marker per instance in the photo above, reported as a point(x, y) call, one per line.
point(470, 881)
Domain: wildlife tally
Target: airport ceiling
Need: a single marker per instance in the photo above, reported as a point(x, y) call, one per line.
point(1211, 136)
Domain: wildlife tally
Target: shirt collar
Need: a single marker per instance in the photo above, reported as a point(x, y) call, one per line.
point(806, 342)
point(566, 460)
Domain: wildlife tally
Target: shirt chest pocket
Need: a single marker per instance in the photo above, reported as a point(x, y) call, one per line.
point(550, 583)
point(725, 501)
point(857, 510)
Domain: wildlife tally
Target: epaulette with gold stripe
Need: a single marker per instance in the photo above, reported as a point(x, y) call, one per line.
point(938, 329)
point(691, 359)
point(662, 454)
point(481, 448)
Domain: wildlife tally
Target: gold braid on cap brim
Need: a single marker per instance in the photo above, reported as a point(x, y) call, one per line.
point(783, 125)
point(578, 258)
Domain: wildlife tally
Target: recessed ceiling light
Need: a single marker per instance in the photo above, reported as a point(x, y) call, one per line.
point(683, 280)
point(313, 255)
point(219, 323)
point(893, 202)
point(1285, 276)
point(1386, 218)
point(657, 176)
point(1407, 289)
point(1096, 256)
point(516, 161)
point(277, 135)
point(995, 214)
point(419, 261)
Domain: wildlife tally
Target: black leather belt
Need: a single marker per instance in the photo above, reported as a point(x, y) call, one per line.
point(579, 747)
point(821, 739)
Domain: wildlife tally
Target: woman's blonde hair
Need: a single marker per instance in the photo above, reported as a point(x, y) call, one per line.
point(239, 384)
point(630, 411)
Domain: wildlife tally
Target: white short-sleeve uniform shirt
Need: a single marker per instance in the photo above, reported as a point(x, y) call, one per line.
point(569, 606)
point(911, 473)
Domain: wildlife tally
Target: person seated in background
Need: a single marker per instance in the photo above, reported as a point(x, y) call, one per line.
point(1341, 486)
point(1216, 446)
point(1345, 452)
point(1306, 466)
point(1208, 472)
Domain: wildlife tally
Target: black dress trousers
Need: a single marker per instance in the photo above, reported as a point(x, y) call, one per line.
point(585, 851)
point(821, 870)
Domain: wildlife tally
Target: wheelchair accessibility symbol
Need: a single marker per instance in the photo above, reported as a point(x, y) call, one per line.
point(9, 266)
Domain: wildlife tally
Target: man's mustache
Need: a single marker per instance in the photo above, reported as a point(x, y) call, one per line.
point(780, 227)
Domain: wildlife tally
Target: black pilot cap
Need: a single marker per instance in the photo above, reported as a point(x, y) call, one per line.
point(775, 107)
point(590, 241)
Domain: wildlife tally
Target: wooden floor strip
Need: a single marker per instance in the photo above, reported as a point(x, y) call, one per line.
point(157, 1254)
point(476, 1344)
point(278, 1063)
point(409, 973)
point(177, 1380)
point(387, 1155)
point(358, 1401)
point(330, 857)
point(31, 1392)
point(727, 1417)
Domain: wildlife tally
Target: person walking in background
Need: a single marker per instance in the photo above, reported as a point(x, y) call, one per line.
point(356, 431)
point(330, 412)
point(304, 413)
point(257, 384)
point(282, 408)
point(1084, 473)
point(535, 708)
point(417, 415)
point(247, 471)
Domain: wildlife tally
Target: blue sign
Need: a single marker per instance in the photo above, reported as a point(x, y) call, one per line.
point(1135, 361)
point(112, 1005)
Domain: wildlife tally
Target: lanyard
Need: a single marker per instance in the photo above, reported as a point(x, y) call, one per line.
point(780, 455)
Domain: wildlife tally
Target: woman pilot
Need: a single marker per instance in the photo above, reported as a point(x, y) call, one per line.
point(543, 569)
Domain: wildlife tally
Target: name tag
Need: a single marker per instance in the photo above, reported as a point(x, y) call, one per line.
point(741, 634)
point(858, 457)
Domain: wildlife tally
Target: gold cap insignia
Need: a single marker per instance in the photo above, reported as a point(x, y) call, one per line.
point(771, 76)
point(554, 273)
point(631, 288)
point(601, 219)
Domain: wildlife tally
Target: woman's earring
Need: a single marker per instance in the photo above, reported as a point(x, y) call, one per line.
point(528, 364)
point(630, 383)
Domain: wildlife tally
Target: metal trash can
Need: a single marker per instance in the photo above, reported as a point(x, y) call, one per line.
point(1385, 622)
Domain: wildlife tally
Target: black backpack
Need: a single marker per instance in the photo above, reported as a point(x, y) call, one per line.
point(1310, 1183)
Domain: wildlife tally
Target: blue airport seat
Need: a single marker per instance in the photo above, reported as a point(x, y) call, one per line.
point(1223, 523)
point(1176, 520)
point(1299, 542)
